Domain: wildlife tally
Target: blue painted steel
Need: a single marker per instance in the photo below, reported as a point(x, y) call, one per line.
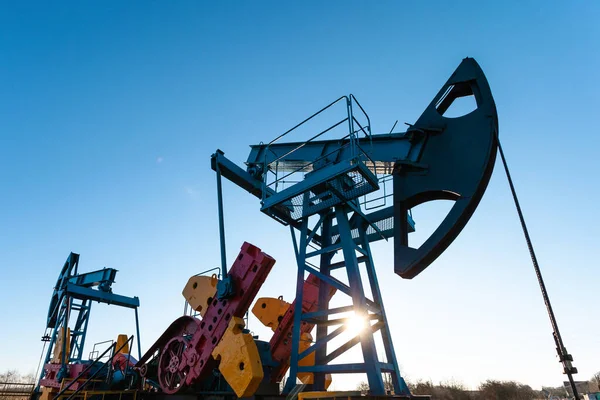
point(327, 177)
point(385, 148)
point(323, 305)
point(369, 309)
point(137, 332)
point(78, 333)
point(62, 373)
point(78, 292)
point(69, 269)
point(417, 160)
point(254, 186)
point(359, 301)
point(102, 278)
point(328, 311)
point(225, 284)
point(266, 359)
point(323, 250)
point(339, 286)
point(330, 280)
point(300, 260)
point(351, 368)
point(270, 157)
point(321, 342)
point(72, 297)
point(321, 192)
point(397, 380)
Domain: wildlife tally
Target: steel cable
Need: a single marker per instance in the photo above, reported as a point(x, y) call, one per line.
point(564, 357)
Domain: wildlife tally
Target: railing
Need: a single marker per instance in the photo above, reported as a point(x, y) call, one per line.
point(16, 389)
point(355, 150)
point(101, 394)
point(94, 353)
point(108, 365)
point(382, 195)
point(367, 129)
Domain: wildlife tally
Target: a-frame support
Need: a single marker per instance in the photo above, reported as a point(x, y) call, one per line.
point(354, 245)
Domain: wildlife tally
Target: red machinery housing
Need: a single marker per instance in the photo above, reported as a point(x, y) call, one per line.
point(187, 345)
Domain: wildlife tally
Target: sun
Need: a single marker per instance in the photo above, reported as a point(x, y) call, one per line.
point(355, 324)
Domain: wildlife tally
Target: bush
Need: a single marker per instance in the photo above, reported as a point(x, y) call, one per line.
point(506, 390)
point(452, 390)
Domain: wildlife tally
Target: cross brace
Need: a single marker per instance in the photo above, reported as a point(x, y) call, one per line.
point(362, 307)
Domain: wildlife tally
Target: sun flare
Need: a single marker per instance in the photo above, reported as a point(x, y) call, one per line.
point(355, 325)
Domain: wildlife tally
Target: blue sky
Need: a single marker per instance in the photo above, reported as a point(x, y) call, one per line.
point(110, 111)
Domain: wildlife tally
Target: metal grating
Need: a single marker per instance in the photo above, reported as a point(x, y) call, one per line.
point(385, 225)
point(324, 194)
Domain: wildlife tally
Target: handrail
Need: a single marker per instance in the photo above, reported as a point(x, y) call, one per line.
point(266, 185)
point(17, 383)
point(210, 270)
point(16, 389)
point(94, 351)
point(367, 135)
point(301, 145)
point(306, 120)
point(366, 155)
point(310, 163)
point(86, 369)
point(352, 97)
point(382, 181)
point(351, 137)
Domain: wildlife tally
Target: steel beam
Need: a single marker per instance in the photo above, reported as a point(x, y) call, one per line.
point(79, 292)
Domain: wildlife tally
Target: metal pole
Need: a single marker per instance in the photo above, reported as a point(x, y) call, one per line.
point(564, 357)
point(85, 325)
point(137, 329)
point(324, 267)
point(129, 356)
point(350, 125)
point(65, 327)
point(221, 223)
point(301, 263)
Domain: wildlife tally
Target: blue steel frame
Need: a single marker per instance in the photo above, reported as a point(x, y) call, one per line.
point(369, 309)
point(75, 293)
point(418, 162)
point(349, 159)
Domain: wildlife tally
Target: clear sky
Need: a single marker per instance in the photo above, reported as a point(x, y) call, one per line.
point(109, 112)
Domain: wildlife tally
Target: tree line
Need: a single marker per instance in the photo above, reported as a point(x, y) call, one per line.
point(489, 390)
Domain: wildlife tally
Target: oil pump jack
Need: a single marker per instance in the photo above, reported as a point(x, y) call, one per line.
point(318, 188)
point(437, 158)
point(322, 188)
